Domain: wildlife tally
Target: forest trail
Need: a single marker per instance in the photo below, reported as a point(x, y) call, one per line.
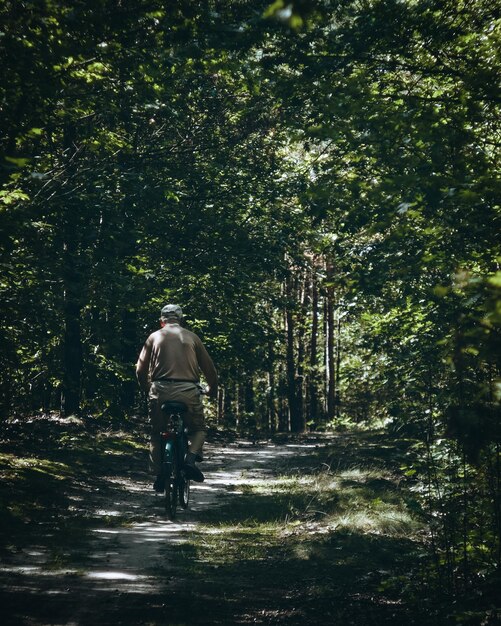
point(252, 548)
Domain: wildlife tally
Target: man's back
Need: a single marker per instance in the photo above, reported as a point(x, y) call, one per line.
point(175, 353)
point(168, 368)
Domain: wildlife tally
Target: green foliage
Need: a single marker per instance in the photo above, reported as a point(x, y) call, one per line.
point(316, 183)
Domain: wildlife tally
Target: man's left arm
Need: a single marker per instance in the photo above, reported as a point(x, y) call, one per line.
point(143, 366)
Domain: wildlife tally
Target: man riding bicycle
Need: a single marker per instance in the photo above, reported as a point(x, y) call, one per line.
point(169, 368)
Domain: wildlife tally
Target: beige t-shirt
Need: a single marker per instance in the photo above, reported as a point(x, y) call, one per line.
point(174, 352)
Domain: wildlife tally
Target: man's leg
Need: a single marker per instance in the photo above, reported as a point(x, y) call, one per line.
point(157, 424)
point(196, 432)
point(197, 440)
point(195, 454)
point(155, 439)
point(194, 421)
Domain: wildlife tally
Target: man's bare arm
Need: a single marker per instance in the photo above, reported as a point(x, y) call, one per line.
point(208, 369)
point(143, 366)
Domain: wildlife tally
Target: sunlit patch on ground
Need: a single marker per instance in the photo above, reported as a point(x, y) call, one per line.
point(10, 463)
point(267, 538)
point(113, 576)
point(386, 522)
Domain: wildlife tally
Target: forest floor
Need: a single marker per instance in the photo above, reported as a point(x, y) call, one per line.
point(314, 529)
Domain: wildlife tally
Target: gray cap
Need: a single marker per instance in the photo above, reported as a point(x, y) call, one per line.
point(172, 310)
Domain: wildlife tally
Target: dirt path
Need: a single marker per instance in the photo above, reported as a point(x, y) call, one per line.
point(130, 571)
point(254, 546)
point(135, 556)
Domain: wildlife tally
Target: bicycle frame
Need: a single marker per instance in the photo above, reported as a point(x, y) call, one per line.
point(174, 448)
point(172, 437)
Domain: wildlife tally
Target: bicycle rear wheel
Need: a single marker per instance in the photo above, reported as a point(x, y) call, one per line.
point(184, 491)
point(170, 493)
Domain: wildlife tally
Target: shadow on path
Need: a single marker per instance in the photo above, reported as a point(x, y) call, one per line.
point(239, 555)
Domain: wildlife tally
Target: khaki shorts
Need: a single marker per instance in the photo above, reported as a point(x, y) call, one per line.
point(161, 391)
point(189, 393)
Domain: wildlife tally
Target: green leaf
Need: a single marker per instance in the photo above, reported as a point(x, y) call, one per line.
point(274, 8)
point(10, 197)
point(18, 161)
point(495, 280)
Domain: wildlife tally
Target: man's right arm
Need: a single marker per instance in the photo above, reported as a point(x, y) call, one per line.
point(143, 366)
point(208, 369)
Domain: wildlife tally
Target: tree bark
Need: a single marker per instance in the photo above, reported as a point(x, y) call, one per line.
point(72, 346)
point(338, 368)
point(72, 281)
point(283, 412)
point(129, 341)
point(331, 380)
point(312, 378)
point(301, 351)
point(292, 394)
point(228, 410)
point(249, 403)
point(271, 411)
point(221, 397)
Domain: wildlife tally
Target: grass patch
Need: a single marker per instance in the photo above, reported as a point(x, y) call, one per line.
point(362, 500)
point(49, 471)
point(227, 545)
point(12, 466)
point(301, 523)
point(338, 522)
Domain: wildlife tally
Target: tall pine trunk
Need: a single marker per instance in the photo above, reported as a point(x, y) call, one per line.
point(338, 369)
point(295, 411)
point(128, 350)
point(72, 346)
point(249, 404)
point(221, 396)
point(72, 281)
point(331, 367)
point(312, 378)
point(304, 299)
point(283, 409)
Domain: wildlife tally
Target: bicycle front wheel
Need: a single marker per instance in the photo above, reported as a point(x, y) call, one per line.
point(170, 493)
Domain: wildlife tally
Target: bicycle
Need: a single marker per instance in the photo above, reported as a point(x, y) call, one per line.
point(174, 448)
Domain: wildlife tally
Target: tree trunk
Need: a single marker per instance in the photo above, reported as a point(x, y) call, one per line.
point(271, 411)
point(325, 357)
point(72, 281)
point(283, 412)
point(249, 404)
point(331, 384)
point(228, 411)
point(338, 369)
point(72, 346)
point(312, 378)
point(221, 397)
point(128, 388)
point(292, 395)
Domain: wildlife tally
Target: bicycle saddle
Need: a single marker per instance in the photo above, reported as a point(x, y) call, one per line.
point(174, 407)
